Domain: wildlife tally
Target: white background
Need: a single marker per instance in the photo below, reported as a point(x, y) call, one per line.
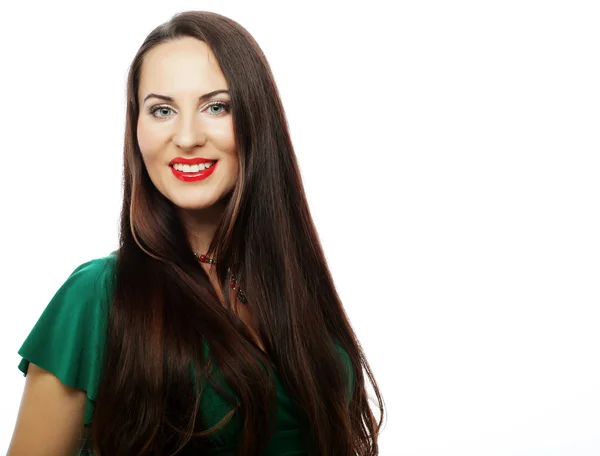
point(450, 152)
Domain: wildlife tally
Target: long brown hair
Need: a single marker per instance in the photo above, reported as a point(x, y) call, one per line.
point(164, 307)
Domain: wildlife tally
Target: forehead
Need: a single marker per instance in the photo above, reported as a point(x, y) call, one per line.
point(179, 67)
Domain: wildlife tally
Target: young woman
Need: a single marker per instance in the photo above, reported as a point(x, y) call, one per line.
point(215, 328)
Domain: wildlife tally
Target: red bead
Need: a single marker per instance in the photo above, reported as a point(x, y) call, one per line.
point(203, 258)
point(232, 283)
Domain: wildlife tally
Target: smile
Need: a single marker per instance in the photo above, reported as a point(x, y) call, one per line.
point(193, 173)
point(193, 168)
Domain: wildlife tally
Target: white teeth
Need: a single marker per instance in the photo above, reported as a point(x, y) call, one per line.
point(192, 168)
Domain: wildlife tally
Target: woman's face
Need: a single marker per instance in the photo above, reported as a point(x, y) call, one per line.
point(186, 126)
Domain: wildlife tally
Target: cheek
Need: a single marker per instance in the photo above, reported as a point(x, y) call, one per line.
point(224, 138)
point(148, 141)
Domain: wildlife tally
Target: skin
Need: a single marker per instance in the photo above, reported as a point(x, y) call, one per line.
point(186, 69)
point(50, 417)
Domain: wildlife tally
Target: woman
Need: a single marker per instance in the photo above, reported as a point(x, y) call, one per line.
point(215, 328)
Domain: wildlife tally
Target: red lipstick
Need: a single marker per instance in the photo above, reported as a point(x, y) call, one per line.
point(192, 177)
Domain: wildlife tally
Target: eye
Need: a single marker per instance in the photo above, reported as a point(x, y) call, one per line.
point(220, 104)
point(153, 109)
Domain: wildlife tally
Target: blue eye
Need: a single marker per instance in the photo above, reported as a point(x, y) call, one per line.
point(221, 104)
point(224, 108)
point(156, 108)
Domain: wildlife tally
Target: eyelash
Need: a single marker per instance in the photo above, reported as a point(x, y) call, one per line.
point(155, 108)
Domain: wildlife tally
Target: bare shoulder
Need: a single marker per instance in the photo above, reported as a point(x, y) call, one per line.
point(50, 418)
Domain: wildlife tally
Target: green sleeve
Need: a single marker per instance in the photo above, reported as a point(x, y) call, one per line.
point(68, 338)
point(350, 384)
point(349, 371)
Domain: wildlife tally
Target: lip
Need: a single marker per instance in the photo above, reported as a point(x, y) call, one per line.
point(190, 161)
point(193, 177)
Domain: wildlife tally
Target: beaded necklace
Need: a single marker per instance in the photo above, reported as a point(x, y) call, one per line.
point(232, 281)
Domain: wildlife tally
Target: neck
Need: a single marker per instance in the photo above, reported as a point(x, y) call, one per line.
point(201, 225)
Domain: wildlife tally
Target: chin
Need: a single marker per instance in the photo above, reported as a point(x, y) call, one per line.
point(191, 206)
point(194, 204)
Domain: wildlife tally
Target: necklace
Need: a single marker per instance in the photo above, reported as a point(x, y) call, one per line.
point(203, 259)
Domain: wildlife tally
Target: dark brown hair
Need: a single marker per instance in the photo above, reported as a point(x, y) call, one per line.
point(164, 305)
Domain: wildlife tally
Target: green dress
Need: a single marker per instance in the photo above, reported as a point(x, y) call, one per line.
point(68, 341)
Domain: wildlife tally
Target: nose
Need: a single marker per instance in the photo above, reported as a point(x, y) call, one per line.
point(188, 133)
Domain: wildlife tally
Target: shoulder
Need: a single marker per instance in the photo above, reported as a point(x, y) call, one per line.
point(78, 310)
point(99, 263)
point(94, 270)
point(89, 281)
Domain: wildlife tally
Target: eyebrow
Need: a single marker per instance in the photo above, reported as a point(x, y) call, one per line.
point(204, 97)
